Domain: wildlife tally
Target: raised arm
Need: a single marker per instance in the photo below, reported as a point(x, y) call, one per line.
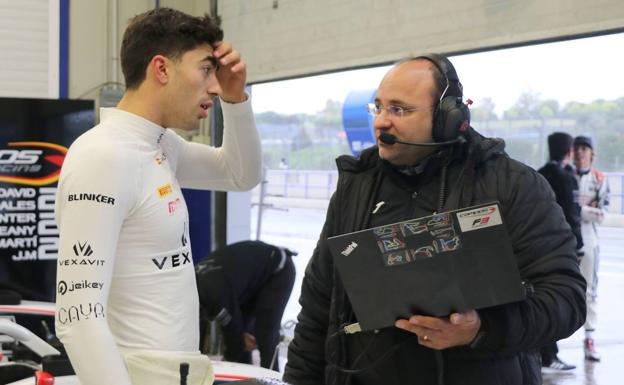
point(235, 166)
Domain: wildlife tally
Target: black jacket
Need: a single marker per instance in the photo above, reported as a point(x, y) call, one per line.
point(544, 247)
point(564, 186)
point(229, 279)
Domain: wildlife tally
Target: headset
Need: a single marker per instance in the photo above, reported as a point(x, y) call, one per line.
point(451, 117)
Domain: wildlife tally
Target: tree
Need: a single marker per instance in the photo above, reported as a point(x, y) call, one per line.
point(548, 108)
point(484, 111)
point(527, 106)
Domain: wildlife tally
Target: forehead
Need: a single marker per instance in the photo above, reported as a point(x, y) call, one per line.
point(198, 54)
point(582, 147)
point(410, 81)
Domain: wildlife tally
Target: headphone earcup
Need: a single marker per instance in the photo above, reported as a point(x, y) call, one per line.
point(451, 119)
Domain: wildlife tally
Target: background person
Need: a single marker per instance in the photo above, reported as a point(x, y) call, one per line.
point(560, 175)
point(593, 198)
point(245, 286)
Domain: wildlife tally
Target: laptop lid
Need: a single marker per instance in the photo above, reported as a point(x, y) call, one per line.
point(436, 265)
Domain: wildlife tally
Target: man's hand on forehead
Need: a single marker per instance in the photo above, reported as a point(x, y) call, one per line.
point(231, 72)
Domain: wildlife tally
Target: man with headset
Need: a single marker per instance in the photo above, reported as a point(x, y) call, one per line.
point(419, 102)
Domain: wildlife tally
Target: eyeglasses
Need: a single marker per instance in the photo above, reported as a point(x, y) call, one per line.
point(398, 111)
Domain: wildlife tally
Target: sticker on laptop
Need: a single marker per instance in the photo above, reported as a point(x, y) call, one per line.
point(479, 218)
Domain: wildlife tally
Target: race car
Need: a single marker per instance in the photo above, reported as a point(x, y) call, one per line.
point(27, 356)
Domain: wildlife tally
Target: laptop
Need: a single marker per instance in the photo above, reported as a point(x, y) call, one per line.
point(436, 265)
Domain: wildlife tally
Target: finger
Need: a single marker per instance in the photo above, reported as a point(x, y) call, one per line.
point(429, 322)
point(238, 67)
point(466, 317)
point(221, 49)
point(418, 330)
point(232, 57)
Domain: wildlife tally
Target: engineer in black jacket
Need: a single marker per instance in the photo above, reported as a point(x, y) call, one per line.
point(420, 100)
point(245, 286)
point(559, 173)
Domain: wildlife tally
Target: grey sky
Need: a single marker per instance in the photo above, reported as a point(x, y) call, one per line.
point(581, 70)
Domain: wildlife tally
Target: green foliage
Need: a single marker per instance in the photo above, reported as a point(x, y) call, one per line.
point(484, 111)
point(313, 141)
point(527, 124)
point(305, 141)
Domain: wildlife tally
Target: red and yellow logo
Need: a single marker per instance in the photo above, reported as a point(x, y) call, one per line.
point(165, 190)
point(31, 163)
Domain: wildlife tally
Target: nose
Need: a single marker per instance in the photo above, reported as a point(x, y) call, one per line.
point(382, 121)
point(213, 88)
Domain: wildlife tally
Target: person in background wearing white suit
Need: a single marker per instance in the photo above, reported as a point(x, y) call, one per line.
point(593, 197)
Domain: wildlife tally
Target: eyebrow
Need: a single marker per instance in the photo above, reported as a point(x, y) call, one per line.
point(394, 102)
point(211, 59)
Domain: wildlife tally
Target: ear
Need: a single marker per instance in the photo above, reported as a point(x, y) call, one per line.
point(159, 69)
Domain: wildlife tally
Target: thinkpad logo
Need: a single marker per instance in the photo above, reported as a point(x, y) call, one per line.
point(82, 250)
point(349, 249)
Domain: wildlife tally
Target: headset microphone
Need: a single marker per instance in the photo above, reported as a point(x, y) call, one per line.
point(391, 139)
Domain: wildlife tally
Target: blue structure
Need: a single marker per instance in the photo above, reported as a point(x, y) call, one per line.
point(356, 121)
point(199, 204)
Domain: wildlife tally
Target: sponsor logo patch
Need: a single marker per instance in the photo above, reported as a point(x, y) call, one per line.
point(99, 198)
point(31, 163)
point(172, 261)
point(164, 190)
point(174, 205)
point(64, 287)
point(81, 312)
point(81, 250)
point(161, 158)
point(480, 218)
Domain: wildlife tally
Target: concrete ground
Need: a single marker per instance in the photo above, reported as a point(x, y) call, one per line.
point(609, 335)
point(298, 228)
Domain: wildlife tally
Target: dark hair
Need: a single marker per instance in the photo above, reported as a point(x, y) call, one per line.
point(162, 31)
point(559, 144)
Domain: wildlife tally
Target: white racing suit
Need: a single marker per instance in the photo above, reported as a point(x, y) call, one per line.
point(593, 197)
point(127, 307)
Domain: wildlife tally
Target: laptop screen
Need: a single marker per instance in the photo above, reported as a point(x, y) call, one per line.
point(436, 265)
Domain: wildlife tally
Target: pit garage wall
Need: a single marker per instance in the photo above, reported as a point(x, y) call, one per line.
point(288, 38)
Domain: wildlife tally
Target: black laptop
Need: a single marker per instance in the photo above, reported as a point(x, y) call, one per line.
point(437, 265)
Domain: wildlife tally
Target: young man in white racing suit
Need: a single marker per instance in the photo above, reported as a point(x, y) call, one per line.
point(593, 197)
point(127, 304)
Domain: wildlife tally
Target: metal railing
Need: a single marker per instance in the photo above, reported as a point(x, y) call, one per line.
point(320, 184)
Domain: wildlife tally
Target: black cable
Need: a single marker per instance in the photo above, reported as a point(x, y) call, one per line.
point(440, 366)
point(370, 343)
point(184, 371)
point(391, 350)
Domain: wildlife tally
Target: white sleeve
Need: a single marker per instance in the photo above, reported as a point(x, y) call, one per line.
point(94, 196)
point(235, 166)
point(592, 214)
